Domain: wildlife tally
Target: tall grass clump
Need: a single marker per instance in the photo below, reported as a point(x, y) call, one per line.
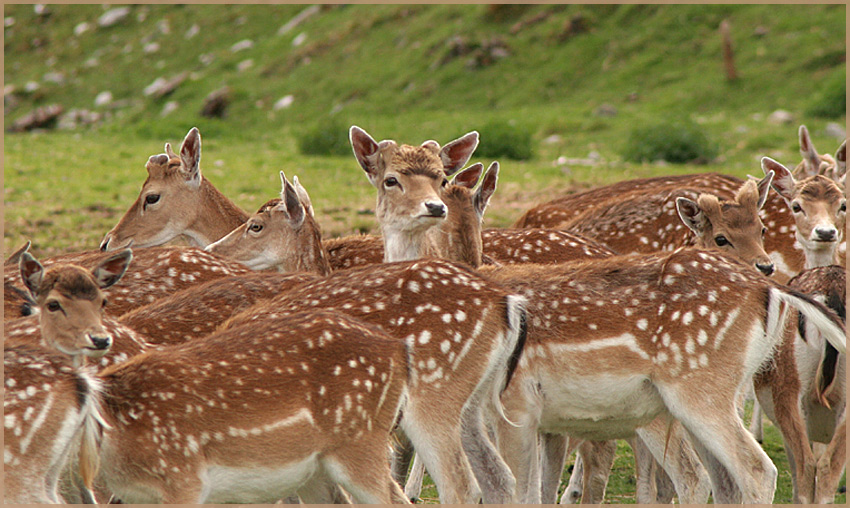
point(329, 137)
point(831, 100)
point(501, 139)
point(676, 142)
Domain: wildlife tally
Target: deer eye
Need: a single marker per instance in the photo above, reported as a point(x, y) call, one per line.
point(796, 208)
point(763, 231)
point(105, 301)
point(255, 228)
point(53, 306)
point(390, 182)
point(843, 207)
point(151, 199)
point(721, 240)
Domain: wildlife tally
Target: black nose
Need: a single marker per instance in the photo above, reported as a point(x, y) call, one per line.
point(765, 269)
point(101, 342)
point(436, 210)
point(825, 235)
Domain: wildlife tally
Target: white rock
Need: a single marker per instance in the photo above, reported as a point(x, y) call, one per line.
point(54, 77)
point(835, 130)
point(242, 45)
point(169, 108)
point(113, 16)
point(284, 102)
point(31, 86)
point(553, 139)
point(103, 98)
point(152, 47)
point(299, 39)
point(163, 26)
point(81, 28)
point(206, 58)
point(153, 87)
point(8, 21)
point(298, 19)
point(244, 65)
point(780, 117)
point(192, 31)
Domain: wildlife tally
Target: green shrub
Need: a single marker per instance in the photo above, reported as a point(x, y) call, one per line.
point(677, 142)
point(831, 100)
point(328, 137)
point(501, 139)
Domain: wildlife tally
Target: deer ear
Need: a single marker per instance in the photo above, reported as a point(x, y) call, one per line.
point(292, 203)
point(110, 271)
point(486, 190)
point(807, 150)
point(31, 273)
point(302, 194)
point(469, 176)
point(691, 214)
point(764, 188)
point(15, 257)
point(783, 181)
point(190, 156)
point(366, 151)
point(169, 152)
point(840, 162)
point(456, 153)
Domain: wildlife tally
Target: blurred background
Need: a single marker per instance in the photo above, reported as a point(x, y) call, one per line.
point(564, 96)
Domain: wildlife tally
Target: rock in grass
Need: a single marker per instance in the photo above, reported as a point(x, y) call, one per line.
point(41, 118)
point(113, 16)
point(215, 104)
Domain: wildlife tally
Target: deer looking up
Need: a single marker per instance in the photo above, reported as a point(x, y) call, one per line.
point(176, 199)
point(41, 381)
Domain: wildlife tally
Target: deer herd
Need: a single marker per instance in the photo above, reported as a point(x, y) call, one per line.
point(265, 363)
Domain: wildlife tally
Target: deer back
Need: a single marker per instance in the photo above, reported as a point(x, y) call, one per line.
point(539, 245)
point(296, 392)
point(197, 311)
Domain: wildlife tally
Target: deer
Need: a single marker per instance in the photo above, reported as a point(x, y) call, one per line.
point(176, 199)
point(156, 272)
point(464, 334)
point(654, 329)
point(50, 400)
point(814, 163)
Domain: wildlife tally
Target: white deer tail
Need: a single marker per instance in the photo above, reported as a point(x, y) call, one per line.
point(818, 315)
point(514, 344)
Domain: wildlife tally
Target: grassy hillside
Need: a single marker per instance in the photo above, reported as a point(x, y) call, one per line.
point(578, 78)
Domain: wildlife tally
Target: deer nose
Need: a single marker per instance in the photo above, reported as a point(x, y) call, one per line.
point(101, 342)
point(826, 234)
point(158, 159)
point(766, 269)
point(436, 209)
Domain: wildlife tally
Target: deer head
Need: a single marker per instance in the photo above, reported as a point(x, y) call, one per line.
point(732, 226)
point(72, 303)
point(408, 179)
point(175, 200)
point(282, 235)
point(819, 209)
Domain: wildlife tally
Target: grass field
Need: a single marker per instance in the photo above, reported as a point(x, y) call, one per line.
point(579, 79)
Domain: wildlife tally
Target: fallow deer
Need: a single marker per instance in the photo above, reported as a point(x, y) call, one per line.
point(464, 335)
point(282, 235)
point(819, 209)
point(803, 391)
point(50, 401)
point(176, 199)
point(156, 272)
point(615, 343)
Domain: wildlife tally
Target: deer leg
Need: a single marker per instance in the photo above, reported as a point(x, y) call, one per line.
point(518, 443)
point(572, 494)
point(756, 428)
point(646, 467)
point(553, 455)
point(439, 445)
point(677, 457)
point(598, 457)
point(831, 465)
point(719, 434)
point(413, 487)
point(402, 455)
point(362, 470)
point(492, 473)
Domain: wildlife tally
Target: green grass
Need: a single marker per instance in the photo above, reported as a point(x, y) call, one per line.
point(388, 69)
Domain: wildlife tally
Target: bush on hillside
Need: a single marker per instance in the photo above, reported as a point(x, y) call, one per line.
point(501, 139)
point(676, 142)
point(831, 99)
point(328, 137)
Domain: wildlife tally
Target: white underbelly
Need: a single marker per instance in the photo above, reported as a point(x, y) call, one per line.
point(599, 407)
point(224, 484)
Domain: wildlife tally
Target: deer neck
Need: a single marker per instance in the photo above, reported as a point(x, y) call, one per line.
point(406, 245)
point(310, 254)
point(822, 257)
point(219, 217)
